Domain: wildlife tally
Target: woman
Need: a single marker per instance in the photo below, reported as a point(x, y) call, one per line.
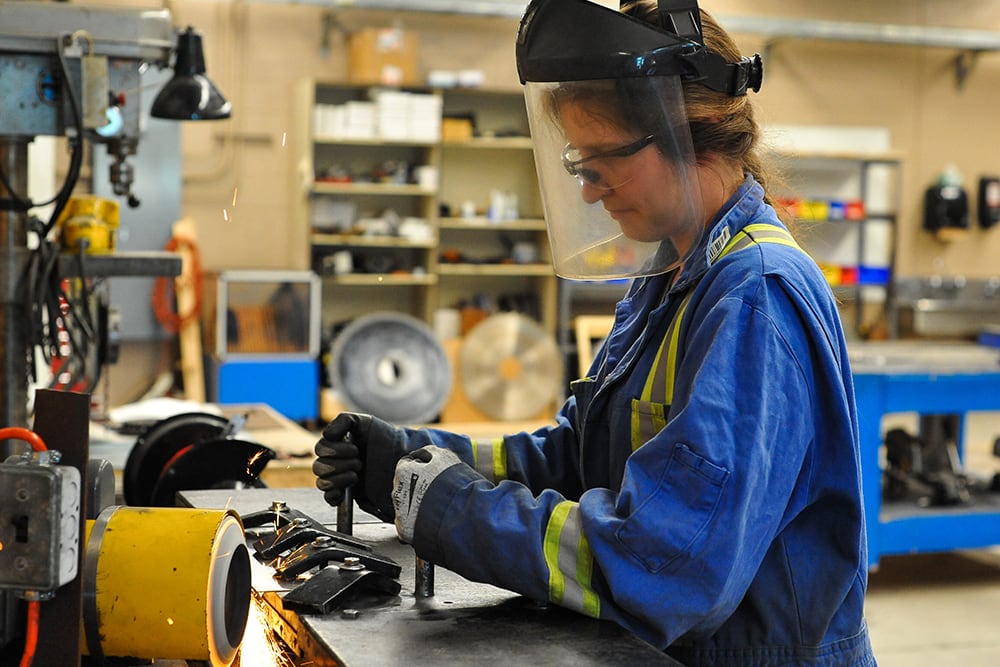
point(702, 485)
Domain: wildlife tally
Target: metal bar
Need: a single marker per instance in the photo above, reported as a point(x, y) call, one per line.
point(13, 306)
point(903, 35)
point(771, 26)
point(141, 264)
point(62, 418)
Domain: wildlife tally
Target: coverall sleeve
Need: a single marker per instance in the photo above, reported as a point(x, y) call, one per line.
point(547, 458)
point(676, 549)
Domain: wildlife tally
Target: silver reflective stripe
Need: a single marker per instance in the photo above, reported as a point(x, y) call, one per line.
point(570, 561)
point(490, 459)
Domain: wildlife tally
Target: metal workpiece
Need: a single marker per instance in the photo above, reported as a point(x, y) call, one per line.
point(294, 531)
point(328, 588)
point(463, 623)
point(326, 549)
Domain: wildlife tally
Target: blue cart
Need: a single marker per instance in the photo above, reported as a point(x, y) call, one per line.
point(928, 379)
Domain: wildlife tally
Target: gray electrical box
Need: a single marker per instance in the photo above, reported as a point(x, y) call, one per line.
point(39, 526)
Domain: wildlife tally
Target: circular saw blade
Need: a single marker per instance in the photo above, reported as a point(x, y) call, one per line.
point(509, 367)
point(392, 366)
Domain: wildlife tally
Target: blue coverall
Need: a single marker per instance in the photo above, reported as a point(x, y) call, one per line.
point(732, 536)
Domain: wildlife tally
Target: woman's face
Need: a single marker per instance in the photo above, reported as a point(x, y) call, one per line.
point(638, 187)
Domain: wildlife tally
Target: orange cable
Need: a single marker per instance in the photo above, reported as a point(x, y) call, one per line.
point(34, 606)
point(31, 640)
point(18, 433)
point(170, 320)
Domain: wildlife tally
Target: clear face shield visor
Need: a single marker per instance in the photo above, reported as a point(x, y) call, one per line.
point(617, 175)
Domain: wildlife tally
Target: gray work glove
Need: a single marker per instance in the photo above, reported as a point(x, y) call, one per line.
point(359, 451)
point(415, 473)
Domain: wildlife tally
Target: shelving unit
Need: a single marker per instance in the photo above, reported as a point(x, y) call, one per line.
point(846, 205)
point(501, 251)
point(469, 254)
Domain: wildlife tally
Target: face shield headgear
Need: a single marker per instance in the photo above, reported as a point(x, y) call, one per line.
point(612, 145)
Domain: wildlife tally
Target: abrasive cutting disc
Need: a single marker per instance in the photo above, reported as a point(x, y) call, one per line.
point(391, 365)
point(509, 367)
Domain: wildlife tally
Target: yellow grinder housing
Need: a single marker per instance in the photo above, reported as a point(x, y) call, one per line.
point(165, 583)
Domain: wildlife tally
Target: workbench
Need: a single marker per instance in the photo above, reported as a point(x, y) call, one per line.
point(462, 623)
point(927, 379)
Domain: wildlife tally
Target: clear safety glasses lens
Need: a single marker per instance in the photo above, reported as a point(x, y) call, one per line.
point(605, 170)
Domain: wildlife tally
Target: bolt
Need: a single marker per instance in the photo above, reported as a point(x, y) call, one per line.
point(350, 613)
point(20, 563)
point(278, 506)
point(322, 541)
point(300, 522)
point(22, 494)
point(351, 563)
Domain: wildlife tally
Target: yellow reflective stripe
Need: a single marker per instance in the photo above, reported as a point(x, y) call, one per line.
point(557, 582)
point(765, 233)
point(567, 552)
point(659, 386)
point(490, 459)
point(661, 377)
point(675, 334)
point(654, 377)
point(499, 460)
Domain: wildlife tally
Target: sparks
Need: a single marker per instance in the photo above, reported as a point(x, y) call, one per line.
point(236, 191)
point(260, 647)
point(225, 215)
point(284, 138)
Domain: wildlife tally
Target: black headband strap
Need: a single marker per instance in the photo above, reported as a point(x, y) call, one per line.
point(681, 17)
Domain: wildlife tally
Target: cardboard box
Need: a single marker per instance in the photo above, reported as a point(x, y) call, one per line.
point(456, 129)
point(386, 56)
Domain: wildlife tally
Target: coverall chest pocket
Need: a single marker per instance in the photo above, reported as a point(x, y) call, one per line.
point(673, 518)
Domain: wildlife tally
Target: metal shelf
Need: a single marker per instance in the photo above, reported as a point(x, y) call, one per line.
point(379, 279)
point(495, 269)
point(491, 143)
point(379, 189)
point(360, 241)
point(479, 224)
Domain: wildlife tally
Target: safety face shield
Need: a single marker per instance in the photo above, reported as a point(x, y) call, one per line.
point(612, 144)
point(617, 175)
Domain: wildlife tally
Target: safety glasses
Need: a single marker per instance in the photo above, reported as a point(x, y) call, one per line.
point(604, 171)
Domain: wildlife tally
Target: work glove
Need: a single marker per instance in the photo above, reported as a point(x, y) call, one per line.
point(415, 473)
point(360, 451)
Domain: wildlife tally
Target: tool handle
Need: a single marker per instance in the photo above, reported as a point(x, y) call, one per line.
point(345, 513)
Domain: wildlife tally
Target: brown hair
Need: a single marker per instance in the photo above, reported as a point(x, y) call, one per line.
point(720, 124)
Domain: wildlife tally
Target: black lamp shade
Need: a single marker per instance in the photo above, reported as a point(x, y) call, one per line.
point(190, 95)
